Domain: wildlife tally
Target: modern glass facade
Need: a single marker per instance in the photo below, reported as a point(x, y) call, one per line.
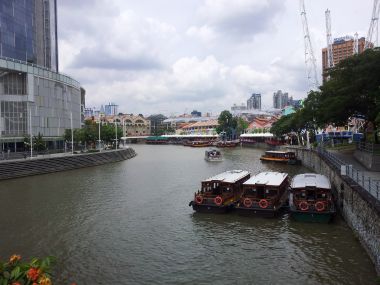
point(34, 97)
point(28, 31)
point(37, 100)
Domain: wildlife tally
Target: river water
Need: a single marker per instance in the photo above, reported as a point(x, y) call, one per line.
point(130, 223)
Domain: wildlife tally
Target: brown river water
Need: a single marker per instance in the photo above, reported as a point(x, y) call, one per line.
point(130, 223)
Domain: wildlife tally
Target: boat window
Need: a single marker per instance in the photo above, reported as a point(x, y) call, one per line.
point(271, 193)
point(260, 192)
point(250, 191)
point(310, 195)
point(226, 190)
point(321, 195)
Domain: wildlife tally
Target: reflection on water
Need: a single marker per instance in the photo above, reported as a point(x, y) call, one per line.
point(129, 223)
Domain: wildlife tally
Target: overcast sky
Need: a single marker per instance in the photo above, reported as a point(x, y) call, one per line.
point(174, 56)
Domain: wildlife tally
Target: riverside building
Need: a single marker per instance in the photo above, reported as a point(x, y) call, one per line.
point(34, 97)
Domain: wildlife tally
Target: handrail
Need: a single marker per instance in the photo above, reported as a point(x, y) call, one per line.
point(372, 186)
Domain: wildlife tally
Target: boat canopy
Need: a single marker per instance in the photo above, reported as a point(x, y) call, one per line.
point(267, 178)
point(230, 176)
point(310, 180)
point(277, 152)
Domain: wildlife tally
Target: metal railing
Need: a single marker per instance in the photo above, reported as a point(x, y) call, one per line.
point(371, 185)
point(368, 147)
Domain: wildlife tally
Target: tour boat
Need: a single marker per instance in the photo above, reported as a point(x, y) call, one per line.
point(219, 193)
point(311, 199)
point(197, 143)
point(213, 155)
point(288, 157)
point(227, 143)
point(264, 194)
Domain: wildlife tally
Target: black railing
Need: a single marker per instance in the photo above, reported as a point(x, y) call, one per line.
point(371, 185)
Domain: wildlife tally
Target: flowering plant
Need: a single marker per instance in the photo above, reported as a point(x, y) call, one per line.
point(36, 272)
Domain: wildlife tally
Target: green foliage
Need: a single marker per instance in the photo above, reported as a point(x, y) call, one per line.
point(38, 143)
point(353, 88)
point(17, 272)
point(227, 123)
point(90, 133)
point(242, 125)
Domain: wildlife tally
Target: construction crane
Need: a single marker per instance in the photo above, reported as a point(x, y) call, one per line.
point(330, 58)
point(309, 54)
point(373, 27)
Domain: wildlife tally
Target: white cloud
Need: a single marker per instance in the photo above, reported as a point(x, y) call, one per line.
point(170, 56)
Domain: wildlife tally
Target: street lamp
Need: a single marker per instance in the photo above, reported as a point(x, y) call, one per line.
point(115, 134)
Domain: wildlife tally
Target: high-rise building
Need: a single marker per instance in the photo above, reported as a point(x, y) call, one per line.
point(110, 109)
point(29, 32)
point(254, 102)
point(280, 100)
point(342, 48)
point(34, 97)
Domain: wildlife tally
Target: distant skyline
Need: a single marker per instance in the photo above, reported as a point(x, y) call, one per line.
point(169, 56)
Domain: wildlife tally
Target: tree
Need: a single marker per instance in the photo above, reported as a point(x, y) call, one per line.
point(227, 124)
point(353, 89)
point(242, 125)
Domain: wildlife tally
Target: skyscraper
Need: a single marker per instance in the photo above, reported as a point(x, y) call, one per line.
point(28, 31)
point(280, 100)
point(254, 102)
point(34, 97)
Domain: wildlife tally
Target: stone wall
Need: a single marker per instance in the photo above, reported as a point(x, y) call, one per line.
point(20, 168)
point(359, 208)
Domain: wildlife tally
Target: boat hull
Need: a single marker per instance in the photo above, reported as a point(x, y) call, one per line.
point(264, 213)
point(211, 208)
point(312, 217)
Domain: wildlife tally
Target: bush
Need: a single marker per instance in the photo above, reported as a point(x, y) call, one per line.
point(15, 272)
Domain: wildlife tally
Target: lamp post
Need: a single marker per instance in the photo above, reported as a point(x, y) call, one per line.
point(115, 134)
point(30, 131)
point(99, 134)
point(72, 133)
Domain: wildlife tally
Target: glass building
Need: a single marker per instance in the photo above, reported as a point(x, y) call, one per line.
point(34, 97)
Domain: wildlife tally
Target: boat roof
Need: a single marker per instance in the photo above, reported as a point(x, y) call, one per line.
point(212, 150)
point(230, 176)
point(278, 151)
point(310, 180)
point(267, 178)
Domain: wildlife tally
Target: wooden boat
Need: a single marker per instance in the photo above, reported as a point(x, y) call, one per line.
point(264, 194)
point(227, 143)
point(213, 155)
point(311, 199)
point(197, 143)
point(288, 157)
point(220, 192)
point(248, 142)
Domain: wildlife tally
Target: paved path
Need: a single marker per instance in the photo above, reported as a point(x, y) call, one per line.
point(348, 157)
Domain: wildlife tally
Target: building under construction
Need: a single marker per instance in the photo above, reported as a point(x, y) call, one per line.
point(341, 48)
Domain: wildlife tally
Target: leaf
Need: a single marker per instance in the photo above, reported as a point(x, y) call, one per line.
point(6, 274)
point(15, 274)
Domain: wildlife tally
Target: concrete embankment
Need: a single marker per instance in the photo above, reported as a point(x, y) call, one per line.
point(359, 208)
point(35, 166)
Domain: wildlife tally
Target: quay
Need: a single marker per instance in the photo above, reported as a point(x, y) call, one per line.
point(53, 163)
point(357, 197)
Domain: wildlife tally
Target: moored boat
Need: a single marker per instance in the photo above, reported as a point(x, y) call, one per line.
point(198, 143)
point(311, 199)
point(227, 143)
point(264, 194)
point(213, 155)
point(219, 193)
point(288, 157)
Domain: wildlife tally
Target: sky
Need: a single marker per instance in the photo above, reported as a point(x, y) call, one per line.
point(175, 56)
